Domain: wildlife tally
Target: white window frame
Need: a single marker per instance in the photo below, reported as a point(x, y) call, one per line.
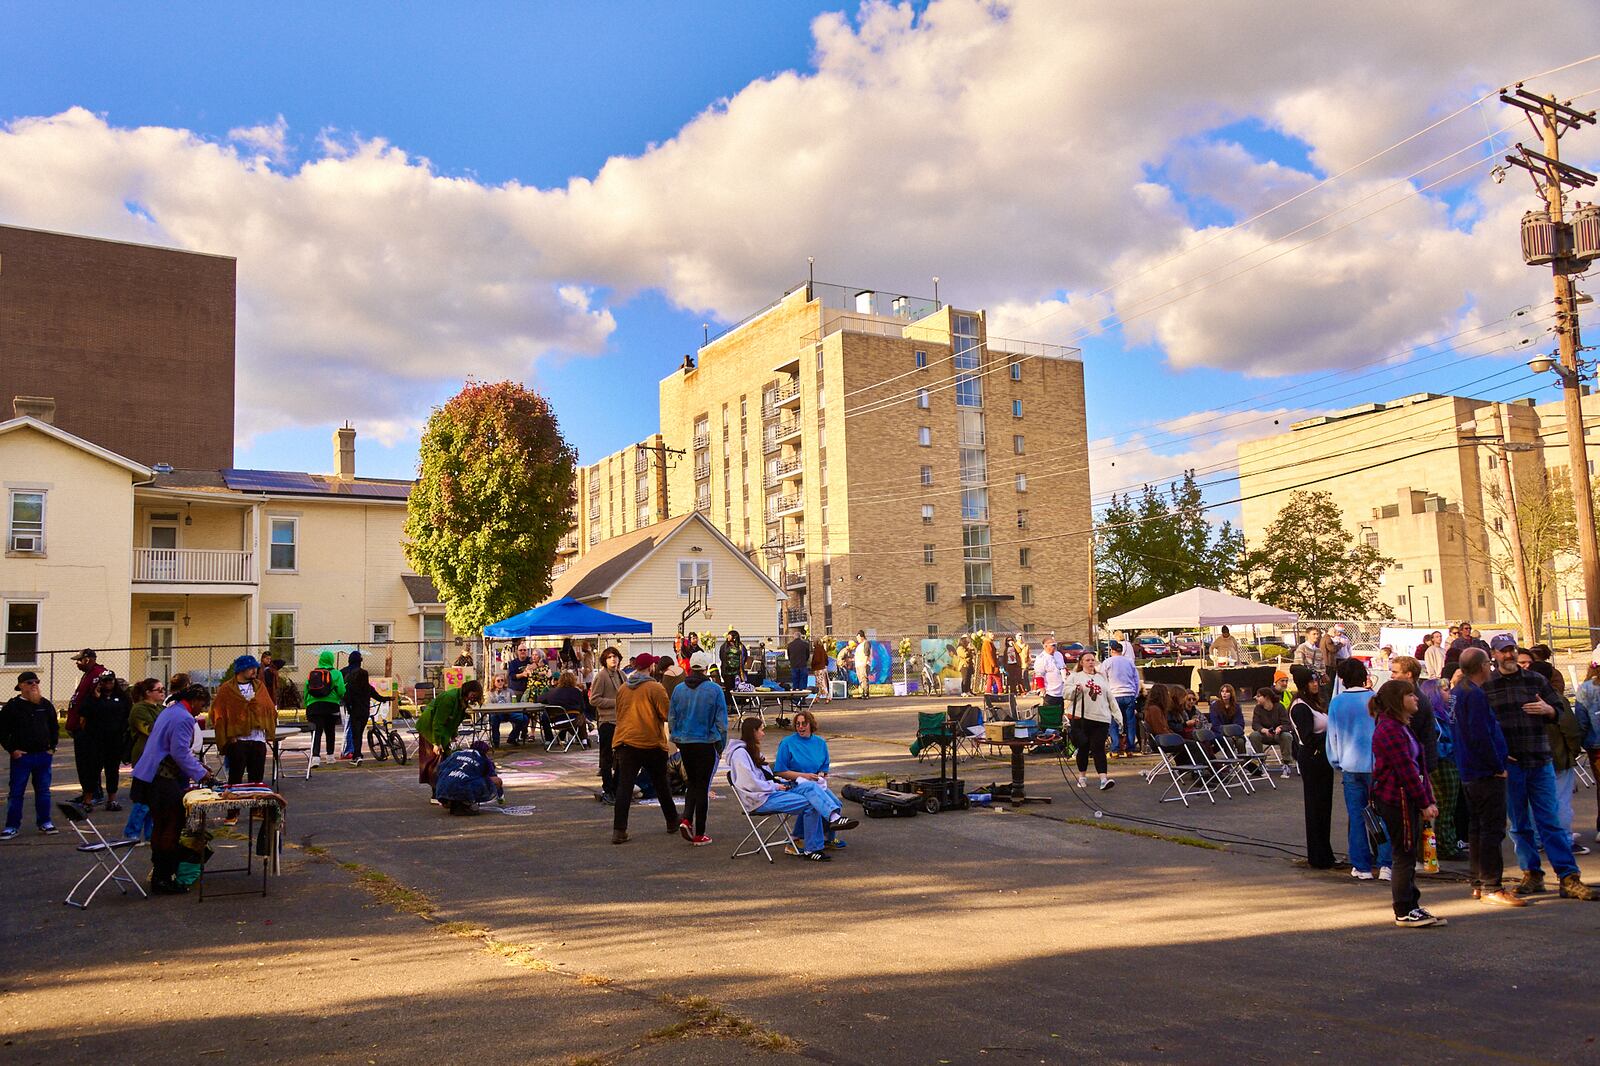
point(372, 632)
point(927, 514)
point(424, 640)
point(294, 523)
point(922, 399)
point(11, 520)
point(289, 660)
point(5, 633)
point(1022, 482)
point(925, 436)
point(688, 579)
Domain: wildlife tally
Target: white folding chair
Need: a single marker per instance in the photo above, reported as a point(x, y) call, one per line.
point(765, 838)
point(1583, 773)
point(110, 858)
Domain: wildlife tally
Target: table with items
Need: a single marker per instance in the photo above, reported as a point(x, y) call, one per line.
point(206, 808)
point(754, 703)
point(208, 742)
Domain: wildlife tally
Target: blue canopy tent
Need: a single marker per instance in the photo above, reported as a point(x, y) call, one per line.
point(565, 617)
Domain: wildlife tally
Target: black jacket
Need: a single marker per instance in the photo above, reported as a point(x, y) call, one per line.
point(106, 715)
point(29, 727)
point(358, 690)
point(799, 654)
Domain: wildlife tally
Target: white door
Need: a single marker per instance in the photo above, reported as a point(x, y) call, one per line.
point(161, 641)
point(163, 552)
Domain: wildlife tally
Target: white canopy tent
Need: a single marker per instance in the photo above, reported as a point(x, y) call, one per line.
point(1200, 608)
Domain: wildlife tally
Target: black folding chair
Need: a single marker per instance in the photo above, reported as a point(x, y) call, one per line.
point(1181, 763)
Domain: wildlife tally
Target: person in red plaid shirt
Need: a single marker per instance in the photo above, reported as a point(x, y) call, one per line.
point(1403, 794)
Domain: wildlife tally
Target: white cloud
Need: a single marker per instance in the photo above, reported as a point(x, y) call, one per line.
point(1030, 153)
point(1206, 442)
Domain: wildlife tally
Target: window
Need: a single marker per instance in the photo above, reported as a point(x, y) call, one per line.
point(380, 632)
point(1493, 462)
point(927, 475)
point(692, 572)
point(930, 592)
point(1371, 539)
point(1022, 482)
point(281, 635)
point(1022, 518)
point(22, 633)
point(27, 522)
point(1016, 408)
point(1499, 525)
point(433, 638)
point(1027, 595)
point(927, 554)
point(1427, 577)
point(1016, 444)
point(1016, 371)
point(922, 399)
point(1024, 557)
point(642, 519)
point(1480, 598)
point(927, 514)
point(924, 436)
point(975, 505)
point(283, 549)
point(922, 360)
point(1400, 601)
point(933, 631)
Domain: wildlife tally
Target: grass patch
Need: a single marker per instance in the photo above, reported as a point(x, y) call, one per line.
point(464, 930)
point(1149, 834)
point(386, 889)
point(703, 1018)
point(316, 851)
point(594, 980)
point(872, 780)
point(587, 1060)
point(516, 954)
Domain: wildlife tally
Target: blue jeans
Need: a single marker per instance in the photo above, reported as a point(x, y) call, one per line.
point(1357, 791)
point(34, 766)
point(140, 825)
point(799, 678)
point(1566, 781)
point(1535, 818)
point(1126, 730)
point(812, 806)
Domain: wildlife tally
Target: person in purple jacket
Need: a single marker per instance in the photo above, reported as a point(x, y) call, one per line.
point(161, 777)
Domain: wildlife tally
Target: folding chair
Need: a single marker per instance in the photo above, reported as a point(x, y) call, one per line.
point(564, 727)
point(1237, 743)
point(111, 857)
point(1224, 767)
point(932, 735)
point(765, 839)
point(1583, 772)
point(963, 718)
point(1178, 763)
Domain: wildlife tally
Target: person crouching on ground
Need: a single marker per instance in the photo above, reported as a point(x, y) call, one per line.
point(467, 778)
point(1093, 710)
point(244, 717)
point(816, 810)
point(1403, 795)
point(437, 725)
point(698, 716)
point(640, 743)
point(803, 756)
point(159, 780)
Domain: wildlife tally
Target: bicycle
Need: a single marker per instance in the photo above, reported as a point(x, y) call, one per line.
point(384, 739)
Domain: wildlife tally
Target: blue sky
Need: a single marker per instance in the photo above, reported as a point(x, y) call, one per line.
point(542, 94)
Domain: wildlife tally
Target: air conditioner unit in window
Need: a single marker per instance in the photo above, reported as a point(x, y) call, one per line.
point(25, 543)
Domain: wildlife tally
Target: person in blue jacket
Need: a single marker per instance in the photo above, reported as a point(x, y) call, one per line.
point(697, 717)
point(803, 756)
point(1350, 752)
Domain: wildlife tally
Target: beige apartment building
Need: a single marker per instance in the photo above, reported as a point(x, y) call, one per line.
point(1416, 478)
point(622, 493)
point(890, 465)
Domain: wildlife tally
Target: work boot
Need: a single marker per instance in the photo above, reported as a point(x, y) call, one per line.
point(1572, 887)
point(1532, 883)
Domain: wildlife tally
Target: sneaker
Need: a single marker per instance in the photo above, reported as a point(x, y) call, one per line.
point(1441, 922)
point(700, 841)
point(809, 856)
point(316, 760)
point(1107, 783)
point(1417, 919)
point(346, 757)
point(685, 831)
point(113, 805)
point(1580, 849)
point(1385, 873)
point(1285, 773)
point(619, 836)
point(841, 823)
point(167, 888)
point(1532, 883)
point(8, 833)
point(1572, 887)
point(49, 829)
point(1361, 875)
point(1083, 782)
point(1502, 898)
point(607, 798)
point(355, 760)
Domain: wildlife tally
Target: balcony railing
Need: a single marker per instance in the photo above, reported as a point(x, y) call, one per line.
point(777, 434)
point(794, 542)
point(702, 471)
point(784, 505)
point(567, 544)
point(702, 441)
point(795, 617)
point(194, 566)
point(794, 579)
point(781, 473)
point(594, 513)
point(787, 395)
point(641, 494)
point(641, 461)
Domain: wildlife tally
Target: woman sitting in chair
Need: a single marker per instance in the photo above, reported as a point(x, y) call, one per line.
point(759, 791)
point(466, 779)
point(500, 692)
point(803, 756)
point(568, 694)
point(1225, 710)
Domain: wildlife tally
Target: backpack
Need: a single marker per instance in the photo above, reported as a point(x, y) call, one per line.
point(319, 683)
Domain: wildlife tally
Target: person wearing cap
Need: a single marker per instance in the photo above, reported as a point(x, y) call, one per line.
point(608, 682)
point(82, 756)
point(244, 717)
point(103, 739)
point(29, 732)
point(640, 743)
point(160, 778)
point(1524, 703)
point(358, 697)
point(697, 717)
point(1463, 640)
point(1122, 681)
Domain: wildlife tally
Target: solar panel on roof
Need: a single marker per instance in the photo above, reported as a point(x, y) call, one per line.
point(271, 481)
point(380, 491)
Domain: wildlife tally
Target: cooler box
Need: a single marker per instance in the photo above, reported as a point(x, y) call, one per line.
point(1000, 732)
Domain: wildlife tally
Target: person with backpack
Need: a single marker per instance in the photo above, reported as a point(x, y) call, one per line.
point(324, 697)
point(358, 697)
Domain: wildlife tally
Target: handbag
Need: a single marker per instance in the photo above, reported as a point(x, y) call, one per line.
point(1377, 832)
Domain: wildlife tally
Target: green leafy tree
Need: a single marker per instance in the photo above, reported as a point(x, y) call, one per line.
point(1310, 564)
point(1159, 544)
point(492, 500)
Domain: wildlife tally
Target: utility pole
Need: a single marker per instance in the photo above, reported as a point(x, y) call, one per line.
point(1549, 177)
point(662, 452)
point(1519, 566)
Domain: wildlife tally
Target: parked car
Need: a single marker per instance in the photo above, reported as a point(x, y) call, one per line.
point(1071, 653)
point(1150, 648)
point(1188, 644)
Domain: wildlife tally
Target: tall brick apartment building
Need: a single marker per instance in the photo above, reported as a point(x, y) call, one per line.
point(894, 467)
point(121, 337)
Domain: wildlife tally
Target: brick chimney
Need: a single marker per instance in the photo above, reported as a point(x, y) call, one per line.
point(344, 453)
point(41, 407)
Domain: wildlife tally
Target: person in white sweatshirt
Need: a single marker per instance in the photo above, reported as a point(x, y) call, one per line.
point(1092, 709)
point(815, 808)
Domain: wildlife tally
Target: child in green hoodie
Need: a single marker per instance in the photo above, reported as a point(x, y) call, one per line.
point(324, 697)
